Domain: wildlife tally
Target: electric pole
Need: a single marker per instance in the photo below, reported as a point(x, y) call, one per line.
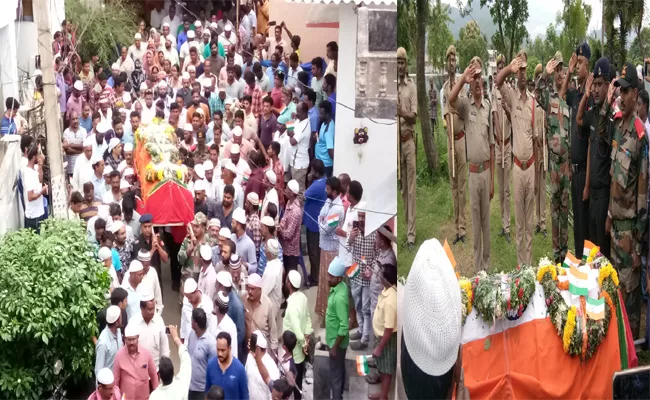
point(51, 111)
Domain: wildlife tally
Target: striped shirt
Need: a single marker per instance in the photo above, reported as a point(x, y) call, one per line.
point(289, 231)
point(363, 247)
point(71, 137)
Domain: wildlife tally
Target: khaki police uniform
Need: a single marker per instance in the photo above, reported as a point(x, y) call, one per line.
point(503, 157)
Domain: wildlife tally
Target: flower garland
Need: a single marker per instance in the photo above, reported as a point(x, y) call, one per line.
point(158, 140)
point(467, 297)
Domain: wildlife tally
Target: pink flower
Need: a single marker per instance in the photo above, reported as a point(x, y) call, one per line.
point(548, 302)
point(517, 282)
point(521, 308)
point(518, 267)
point(521, 292)
point(508, 304)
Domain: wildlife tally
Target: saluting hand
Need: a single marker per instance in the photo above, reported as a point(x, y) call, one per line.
point(611, 91)
point(590, 81)
point(550, 66)
point(572, 63)
point(515, 64)
point(468, 74)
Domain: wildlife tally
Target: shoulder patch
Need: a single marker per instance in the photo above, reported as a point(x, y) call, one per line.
point(640, 128)
point(618, 115)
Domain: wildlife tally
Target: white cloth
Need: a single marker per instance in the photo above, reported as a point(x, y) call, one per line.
point(172, 55)
point(226, 325)
point(207, 282)
point(184, 51)
point(271, 196)
point(180, 386)
point(300, 152)
point(149, 285)
point(152, 336)
point(239, 193)
point(126, 65)
point(257, 388)
point(36, 207)
point(227, 41)
point(272, 282)
point(98, 150)
point(71, 137)
point(173, 23)
point(344, 254)
point(109, 198)
point(292, 77)
point(285, 149)
point(186, 314)
point(115, 282)
point(156, 18)
point(82, 172)
point(148, 113)
point(137, 53)
point(242, 169)
point(132, 299)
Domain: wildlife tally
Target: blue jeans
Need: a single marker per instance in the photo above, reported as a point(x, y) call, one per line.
point(361, 298)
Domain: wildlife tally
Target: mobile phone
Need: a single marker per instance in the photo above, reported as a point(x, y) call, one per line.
point(167, 330)
point(632, 384)
point(272, 23)
point(355, 224)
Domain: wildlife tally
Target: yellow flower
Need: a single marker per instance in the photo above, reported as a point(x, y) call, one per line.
point(466, 285)
point(160, 175)
point(179, 175)
point(569, 327)
point(605, 272)
point(551, 269)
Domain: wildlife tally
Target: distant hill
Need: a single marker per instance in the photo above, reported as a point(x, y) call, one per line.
point(480, 15)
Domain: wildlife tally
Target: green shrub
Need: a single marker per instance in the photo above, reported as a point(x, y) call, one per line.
point(51, 288)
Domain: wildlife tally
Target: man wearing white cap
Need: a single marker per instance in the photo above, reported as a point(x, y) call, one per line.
point(211, 182)
point(289, 228)
point(252, 207)
point(245, 245)
point(97, 177)
point(170, 51)
point(237, 142)
point(271, 195)
point(207, 275)
point(223, 322)
point(109, 341)
point(152, 329)
point(107, 179)
point(134, 368)
point(203, 203)
point(257, 388)
point(234, 308)
point(297, 319)
point(227, 37)
point(114, 157)
point(236, 192)
point(136, 274)
point(184, 51)
point(128, 159)
point(106, 257)
point(150, 283)
point(76, 100)
point(234, 266)
point(272, 278)
point(194, 298)
point(83, 168)
point(99, 144)
point(337, 330)
point(125, 62)
point(73, 139)
point(267, 229)
point(106, 389)
point(172, 19)
point(138, 49)
point(260, 312)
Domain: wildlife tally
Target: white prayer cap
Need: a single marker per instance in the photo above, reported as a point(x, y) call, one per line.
point(107, 169)
point(206, 82)
point(132, 330)
point(214, 222)
point(105, 376)
point(97, 158)
point(135, 266)
point(214, 25)
point(253, 198)
point(224, 232)
point(207, 165)
point(103, 127)
point(235, 262)
point(185, 75)
point(293, 186)
point(270, 175)
point(190, 286)
point(227, 28)
point(234, 149)
point(143, 86)
point(127, 97)
point(295, 278)
point(113, 143)
point(268, 221)
point(128, 146)
point(198, 23)
point(230, 166)
point(222, 298)
point(188, 127)
point(236, 131)
point(432, 303)
point(123, 111)
point(162, 84)
point(239, 215)
point(137, 36)
point(88, 142)
point(273, 246)
point(261, 340)
point(115, 66)
point(199, 186)
point(206, 252)
point(165, 24)
point(104, 254)
point(224, 278)
point(171, 38)
point(190, 34)
point(191, 67)
point(112, 314)
point(255, 280)
point(78, 85)
point(116, 226)
point(128, 171)
point(200, 171)
point(144, 255)
point(146, 297)
point(124, 184)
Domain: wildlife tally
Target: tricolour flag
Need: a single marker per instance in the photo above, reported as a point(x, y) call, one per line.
point(362, 365)
point(333, 220)
point(587, 249)
point(578, 284)
point(353, 270)
point(570, 260)
point(596, 308)
point(450, 255)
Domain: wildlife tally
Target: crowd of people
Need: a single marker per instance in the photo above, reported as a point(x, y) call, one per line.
point(255, 135)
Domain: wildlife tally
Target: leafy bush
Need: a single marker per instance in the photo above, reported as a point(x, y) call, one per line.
point(101, 29)
point(51, 288)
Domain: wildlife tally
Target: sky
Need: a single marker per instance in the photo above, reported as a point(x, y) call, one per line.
point(543, 12)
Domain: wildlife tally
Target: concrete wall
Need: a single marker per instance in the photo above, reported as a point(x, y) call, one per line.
point(8, 66)
point(374, 164)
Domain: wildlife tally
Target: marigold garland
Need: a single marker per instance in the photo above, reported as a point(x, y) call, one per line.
point(569, 327)
point(605, 272)
point(467, 296)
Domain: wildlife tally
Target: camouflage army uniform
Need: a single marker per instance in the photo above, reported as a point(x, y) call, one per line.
point(627, 207)
point(557, 139)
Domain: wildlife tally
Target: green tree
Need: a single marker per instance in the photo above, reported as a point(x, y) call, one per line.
point(102, 29)
point(471, 43)
point(574, 20)
point(635, 54)
point(596, 49)
point(407, 30)
point(531, 64)
point(51, 290)
point(439, 35)
point(620, 18)
point(510, 17)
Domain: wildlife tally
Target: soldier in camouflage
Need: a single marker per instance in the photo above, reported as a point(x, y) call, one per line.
point(557, 139)
point(627, 217)
point(540, 170)
point(188, 256)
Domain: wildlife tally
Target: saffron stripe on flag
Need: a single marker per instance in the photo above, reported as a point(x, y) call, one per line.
point(596, 308)
point(587, 249)
point(362, 365)
point(578, 274)
point(333, 220)
point(570, 260)
point(353, 270)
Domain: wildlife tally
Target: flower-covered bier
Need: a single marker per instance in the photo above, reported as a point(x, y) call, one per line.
point(158, 139)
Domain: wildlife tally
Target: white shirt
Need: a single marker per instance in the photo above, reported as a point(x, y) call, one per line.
point(207, 282)
point(186, 314)
point(184, 51)
point(152, 336)
point(156, 18)
point(257, 388)
point(227, 41)
point(138, 53)
point(247, 28)
point(300, 152)
point(115, 283)
point(172, 55)
point(213, 187)
point(292, 77)
point(272, 282)
point(285, 149)
point(148, 113)
point(226, 325)
point(98, 151)
point(180, 386)
point(34, 208)
point(271, 196)
point(265, 83)
point(242, 169)
point(82, 172)
point(132, 300)
point(253, 18)
point(126, 65)
point(173, 23)
point(238, 201)
point(72, 137)
point(109, 198)
point(344, 254)
point(149, 285)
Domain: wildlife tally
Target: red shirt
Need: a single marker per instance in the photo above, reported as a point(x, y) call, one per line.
point(132, 373)
point(276, 95)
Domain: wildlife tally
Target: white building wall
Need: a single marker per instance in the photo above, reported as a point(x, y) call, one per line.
point(8, 58)
point(373, 164)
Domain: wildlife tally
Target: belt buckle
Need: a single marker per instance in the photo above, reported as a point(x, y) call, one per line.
point(524, 164)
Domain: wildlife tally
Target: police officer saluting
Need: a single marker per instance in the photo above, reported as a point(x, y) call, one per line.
point(579, 146)
point(503, 151)
point(475, 113)
point(600, 137)
point(627, 217)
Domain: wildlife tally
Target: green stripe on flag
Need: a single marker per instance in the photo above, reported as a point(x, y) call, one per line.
point(577, 290)
point(622, 339)
point(596, 302)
